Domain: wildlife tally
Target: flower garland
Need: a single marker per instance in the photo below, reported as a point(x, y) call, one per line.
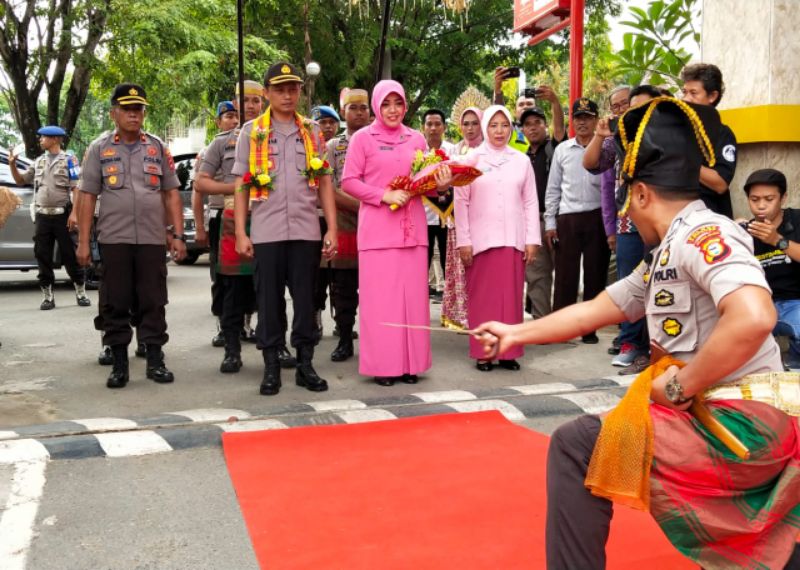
point(260, 178)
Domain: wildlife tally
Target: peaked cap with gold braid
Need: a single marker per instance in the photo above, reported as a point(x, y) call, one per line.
point(665, 141)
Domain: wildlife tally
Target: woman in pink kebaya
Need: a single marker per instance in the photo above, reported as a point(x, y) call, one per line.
point(393, 245)
point(497, 232)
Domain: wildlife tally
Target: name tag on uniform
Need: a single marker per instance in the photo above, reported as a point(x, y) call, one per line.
point(385, 148)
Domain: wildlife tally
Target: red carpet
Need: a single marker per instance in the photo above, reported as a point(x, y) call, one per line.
point(461, 491)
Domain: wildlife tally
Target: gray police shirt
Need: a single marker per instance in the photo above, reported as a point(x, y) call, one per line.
point(218, 160)
point(55, 176)
point(132, 180)
point(703, 257)
point(290, 213)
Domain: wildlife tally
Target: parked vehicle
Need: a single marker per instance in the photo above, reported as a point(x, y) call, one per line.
point(16, 237)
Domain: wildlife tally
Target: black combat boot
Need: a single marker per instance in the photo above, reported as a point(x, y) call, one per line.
point(156, 370)
point(119, 374)
point(285, 357)
point(271, 383)
point(305, 375)
point(232, 362)
point(105, 358)
point(344, 349)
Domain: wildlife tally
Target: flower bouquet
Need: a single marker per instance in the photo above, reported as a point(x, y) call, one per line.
point(258, 186)
point(423, 174)
point(317, 167)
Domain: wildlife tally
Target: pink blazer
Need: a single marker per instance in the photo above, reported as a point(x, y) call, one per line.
point(501, 208)
point(373, 160)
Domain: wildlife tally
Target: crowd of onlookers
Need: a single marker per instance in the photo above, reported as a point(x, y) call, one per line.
point(576, 181)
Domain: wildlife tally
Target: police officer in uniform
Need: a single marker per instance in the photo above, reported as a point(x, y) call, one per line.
point(227, 120)
point(344, 267)
point(55, 182)
point(706, 301)
point(328, 120)
point(284, 231)
point(135, 174)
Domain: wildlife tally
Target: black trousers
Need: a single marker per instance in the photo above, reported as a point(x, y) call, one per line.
point(580, 236)
point(344, 297)
point(437, 235)
point(49, 230)
point(239, 298)
point(278, 264)
point(134, 283)
point(217, 294)
point(577, 521)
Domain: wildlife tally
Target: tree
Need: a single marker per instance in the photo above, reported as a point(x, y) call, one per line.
point(40, 40)
point(655, 52)
point(183, 52)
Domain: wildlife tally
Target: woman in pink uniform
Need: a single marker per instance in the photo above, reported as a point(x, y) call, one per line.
point(497, 232)
point(392, 245)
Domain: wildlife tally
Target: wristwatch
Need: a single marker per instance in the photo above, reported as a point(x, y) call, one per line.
point(181, 237)
point(674, 391)
point(783, 244)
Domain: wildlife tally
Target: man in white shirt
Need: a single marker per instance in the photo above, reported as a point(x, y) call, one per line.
point(573, 219)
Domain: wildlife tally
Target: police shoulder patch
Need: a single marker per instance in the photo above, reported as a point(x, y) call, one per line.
point(672, 327)
point(709, 240)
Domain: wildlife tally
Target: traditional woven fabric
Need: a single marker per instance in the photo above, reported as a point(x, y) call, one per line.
point(454, 301)
point(228, 261)
point(716, 509)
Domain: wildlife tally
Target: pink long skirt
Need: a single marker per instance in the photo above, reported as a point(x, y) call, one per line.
point(494, 293)
point(393, 288)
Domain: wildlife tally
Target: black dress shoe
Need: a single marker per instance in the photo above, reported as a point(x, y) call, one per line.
point(117, 378)
point(119, 374)
point(410, 378)
point(219, 340)
point(509, 364)
point(248, 336)
point(271, 381)
point(590, 338)
point(231, 364)
point(105, 358)
point(160, 374)
point(384, 380)
point(343, 350)
point(484, 365)
point(285, 358)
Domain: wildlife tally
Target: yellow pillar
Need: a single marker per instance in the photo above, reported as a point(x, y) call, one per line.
point(756, 45)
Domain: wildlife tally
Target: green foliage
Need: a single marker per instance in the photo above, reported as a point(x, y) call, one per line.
point(183, 52)
point(654, 53)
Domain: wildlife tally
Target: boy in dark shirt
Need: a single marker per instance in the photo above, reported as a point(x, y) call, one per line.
point(776, 241)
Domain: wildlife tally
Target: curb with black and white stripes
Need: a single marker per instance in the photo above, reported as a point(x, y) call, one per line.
point(122, 437)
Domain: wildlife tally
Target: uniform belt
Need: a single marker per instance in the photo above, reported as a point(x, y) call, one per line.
point(50, 211)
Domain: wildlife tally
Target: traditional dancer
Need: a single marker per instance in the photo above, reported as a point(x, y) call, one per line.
point(707, 303)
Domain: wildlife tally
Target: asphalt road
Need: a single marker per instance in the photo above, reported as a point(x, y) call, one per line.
point(173, 506)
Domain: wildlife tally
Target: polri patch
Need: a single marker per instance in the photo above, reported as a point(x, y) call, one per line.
point(709, 240)
point(672, 327)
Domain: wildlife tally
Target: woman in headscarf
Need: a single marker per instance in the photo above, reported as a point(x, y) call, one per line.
point(497, 224)
point(454, 302)
point(393, 245)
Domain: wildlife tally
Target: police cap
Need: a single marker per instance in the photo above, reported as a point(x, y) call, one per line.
point(225, 107)
point(52, 131)
point(324, 112)
point(282, 72)
point(128, 94)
